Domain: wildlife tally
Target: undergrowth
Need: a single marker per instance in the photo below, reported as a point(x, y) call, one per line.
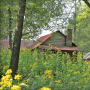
point(56, 71)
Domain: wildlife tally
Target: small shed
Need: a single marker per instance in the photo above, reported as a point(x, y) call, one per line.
point(57, 40)
point(87, 57)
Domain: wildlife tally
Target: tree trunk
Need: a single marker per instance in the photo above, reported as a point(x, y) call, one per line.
point(10, 32)
point(0, 23)
point(75, 24)
point(17, 38)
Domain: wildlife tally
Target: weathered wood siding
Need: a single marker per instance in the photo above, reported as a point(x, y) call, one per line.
point(56, 39)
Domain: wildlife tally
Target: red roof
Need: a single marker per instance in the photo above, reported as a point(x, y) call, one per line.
point(44, 38)
point(60, 48)
point(40, 41)
point(4, 43)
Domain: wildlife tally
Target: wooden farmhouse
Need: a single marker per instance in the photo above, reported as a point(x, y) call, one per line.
point(57, 40)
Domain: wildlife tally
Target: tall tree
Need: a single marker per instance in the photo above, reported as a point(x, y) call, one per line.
point(17, 37)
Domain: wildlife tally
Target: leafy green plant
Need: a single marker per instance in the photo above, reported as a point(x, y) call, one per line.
point(52, 70)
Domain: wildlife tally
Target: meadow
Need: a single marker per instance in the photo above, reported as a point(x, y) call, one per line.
point(47, 70)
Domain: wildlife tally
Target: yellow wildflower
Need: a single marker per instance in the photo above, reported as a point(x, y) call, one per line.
point(44, 88)
point(43, 77)
point(85, 74)
point(31, 69)
point(6, 81)
point(71, 82)
point(56, 72)
point(58, 81)
point(61, 84)
point(31, 65)
point(84, 86)
point(62, 62)
point(68, 75)
point(1, 88)
point(76, 72)
point(85, 78)
point(48, 72)
point(79, 87)
point(16, 87)
point(70, 70)
point(49, 76)
point(29, 74)
point(23, 68)
point(9, 71)
point(17, 76)
point(27, 80)
point(36, 76)
point(45, 63)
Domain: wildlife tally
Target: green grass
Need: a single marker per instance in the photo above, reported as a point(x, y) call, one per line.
point(56, 71)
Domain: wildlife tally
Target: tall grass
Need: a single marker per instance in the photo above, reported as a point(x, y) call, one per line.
point(47, 69)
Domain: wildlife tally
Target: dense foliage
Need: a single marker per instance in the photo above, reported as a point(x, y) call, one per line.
point(82, 33)
point(47, 69)
point(38, 15)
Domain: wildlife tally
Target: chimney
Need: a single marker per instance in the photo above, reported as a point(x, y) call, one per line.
point(69, 38)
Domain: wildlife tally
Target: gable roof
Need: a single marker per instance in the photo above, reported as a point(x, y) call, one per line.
point(44, 38)
point(4, 43)
point(40, 41)
point(87, 56)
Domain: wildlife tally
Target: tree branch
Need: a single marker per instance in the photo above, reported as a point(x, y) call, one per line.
point(25, 34)
point(87, 3)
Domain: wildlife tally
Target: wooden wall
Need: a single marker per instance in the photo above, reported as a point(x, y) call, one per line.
point(56, 39)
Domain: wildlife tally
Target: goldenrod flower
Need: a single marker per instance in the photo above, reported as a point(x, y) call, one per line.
point(16, 87)
point(17, 76)
point(44, 88)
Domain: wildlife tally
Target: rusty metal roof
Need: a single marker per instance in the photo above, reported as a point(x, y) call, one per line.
point(40, 41)
point(63, 48)
point(87, 56)
point(44, 38)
